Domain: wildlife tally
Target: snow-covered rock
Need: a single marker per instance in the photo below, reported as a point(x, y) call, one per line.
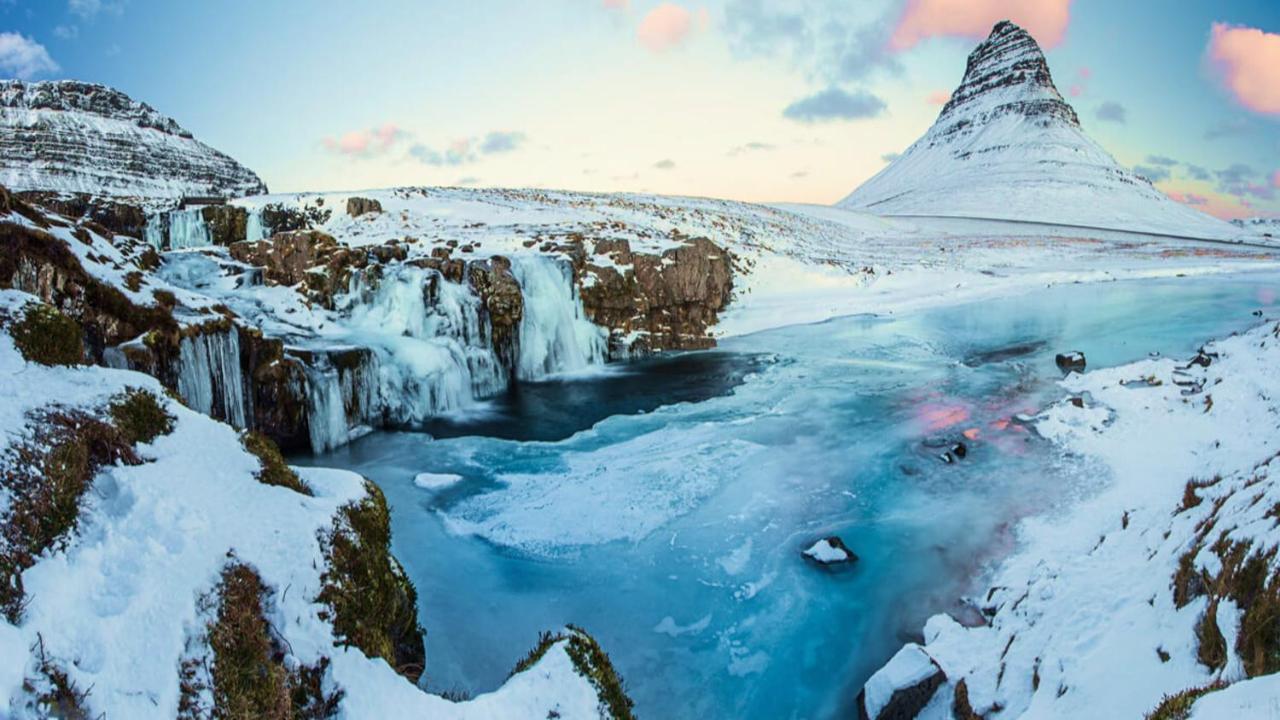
point(81, 137)
point(830, 551)
point(1008, 146)
point(902, 688)
point(436, 481)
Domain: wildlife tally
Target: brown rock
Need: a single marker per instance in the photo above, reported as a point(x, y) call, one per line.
point(358, 206)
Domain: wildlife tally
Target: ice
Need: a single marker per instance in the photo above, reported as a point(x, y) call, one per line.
point(824, 552)
point(187, 230)
point(209, 377)
point(555, 335)
point(436, 481)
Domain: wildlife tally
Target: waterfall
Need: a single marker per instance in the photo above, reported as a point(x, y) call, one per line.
point(154, 233)
point(343, 397)
point(555, 334)
point(188, 230)
point(254, 229)
point(209, 377)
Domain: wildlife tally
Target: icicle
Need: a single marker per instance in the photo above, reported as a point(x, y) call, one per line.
point(555, 334)
point(254, 229)
point(209, 378)
point(154, 233)
point(188, 230)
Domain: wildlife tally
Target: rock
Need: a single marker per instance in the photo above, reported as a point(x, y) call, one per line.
point(227, 224)
point(902, 688)
point(671, 299)
point(117, 217)
point(358, 206)
point(286, 256)
point(503, 301)
point(1071, 361)
point(830, 551)
point(277, 218)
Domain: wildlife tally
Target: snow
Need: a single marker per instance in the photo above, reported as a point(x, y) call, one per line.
point(909, 667)
point(436, 481)
point(824, 552)
point(1255, 698)
point(116, 606)
point(1087, 596)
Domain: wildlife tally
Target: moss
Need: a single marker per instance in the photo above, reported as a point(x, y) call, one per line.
point(371, 602)
point(139, 416)
point(45, 477)
point(1178, 705)
point(592, 662)
point(46, 336)
point(545, 642)
point(273, 469)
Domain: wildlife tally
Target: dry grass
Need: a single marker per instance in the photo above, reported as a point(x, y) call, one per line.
point(274, 470)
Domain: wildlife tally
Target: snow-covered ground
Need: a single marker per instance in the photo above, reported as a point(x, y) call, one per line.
point(1084, 621)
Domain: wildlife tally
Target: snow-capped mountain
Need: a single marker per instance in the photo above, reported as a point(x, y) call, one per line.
point(85, 138)
point(1007, 146)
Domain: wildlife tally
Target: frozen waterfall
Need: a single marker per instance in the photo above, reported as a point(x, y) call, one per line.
point(187, 229)
point(555, 334)
point(209, 377)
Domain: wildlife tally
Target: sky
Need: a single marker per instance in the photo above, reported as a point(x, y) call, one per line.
point(758, 100)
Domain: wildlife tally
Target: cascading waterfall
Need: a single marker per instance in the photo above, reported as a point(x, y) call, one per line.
point(187, 229)
point(209, 377)
point(423, 346)
point(154, 233)
point(555, 334)
point(254, 229)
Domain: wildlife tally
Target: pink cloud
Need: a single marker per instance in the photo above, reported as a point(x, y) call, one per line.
point(669, 25)
point(1275, 179)
point(1076, 90)
point(365, 142)
point(1085, 73)
point(938, 97)
point(617, 4)
point(1046, 20)
point(1247, 61)
point(1225, 207)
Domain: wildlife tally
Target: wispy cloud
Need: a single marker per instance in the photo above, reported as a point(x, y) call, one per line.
point(66, 32)
point(1154, 174)
point(89, 9)
point(670, 25)
point(1161, 160)
point(1112, 112)
point(366, 143)
point(24, 58)
point(1046, 20)
point(938, 97)
point(750, 147)
point(1247, 62)
point(890, 157)
point(500, 142)
point(667, 164)
point(835, 104)
point(466, 150)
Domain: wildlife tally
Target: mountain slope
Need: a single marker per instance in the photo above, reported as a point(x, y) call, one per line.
point(1008, 146)
point(80, 137)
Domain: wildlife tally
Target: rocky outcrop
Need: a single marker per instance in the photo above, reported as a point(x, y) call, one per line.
point(655, 302)
point(358, 206)
point(117, 217)
point(227, 223)
point(278, 218)
point(77, 137)
point(313, 260)
point(503, 301)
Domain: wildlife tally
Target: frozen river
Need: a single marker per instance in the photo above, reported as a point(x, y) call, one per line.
point(663, 505)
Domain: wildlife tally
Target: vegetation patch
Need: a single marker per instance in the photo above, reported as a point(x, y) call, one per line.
point(247, 677)
point(54, 693)
point(273, 469)
point(1178, 705)
point(45, 476)
point(592, 662)
point(139, 416)
point(371, 603)
point(545, 642)
point(46, 336)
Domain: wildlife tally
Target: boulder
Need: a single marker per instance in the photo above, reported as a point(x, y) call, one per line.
point(1071, 361)
point(902, 688)
point(830, 551)
point(357, 206)
point(227, 224)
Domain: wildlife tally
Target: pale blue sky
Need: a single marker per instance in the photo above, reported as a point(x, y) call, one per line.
point(578, 100)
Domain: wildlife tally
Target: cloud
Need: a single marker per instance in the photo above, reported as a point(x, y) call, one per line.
point(1247, 63)
point(938, 97)
point(835, 104)
point(1046, 20)
point(66, 32)
point(829, 41)
point(466, 181)
point(1234, 127)
point(1195, 172)
point(750, 147)
point(1275, 180)
point(24, 58)
point(1188, 198)
point(1154, 174)
point(1243, 181)
point(799, 174)
point(617, 4)
point(667, 164)
point(466, 150)
point(890, 157)
point(1161, 160)
point(500, 142)
point(1111, 112)
point(88, 9)
point(668, 25)
point(365, 143)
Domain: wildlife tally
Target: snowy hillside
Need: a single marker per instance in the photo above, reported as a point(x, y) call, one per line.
point(1008, 146)
point(68, 136)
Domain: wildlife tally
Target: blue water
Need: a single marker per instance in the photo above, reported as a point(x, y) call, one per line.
point(663, 505)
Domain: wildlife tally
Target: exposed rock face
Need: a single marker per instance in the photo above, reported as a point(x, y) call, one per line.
point(358, 206)
point(227, 224)
point(1008, 146)
point(277, 218)
point(504, 304)
point(120, 218)
point(671, 300)
point(312, 259)
point(84, 138)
